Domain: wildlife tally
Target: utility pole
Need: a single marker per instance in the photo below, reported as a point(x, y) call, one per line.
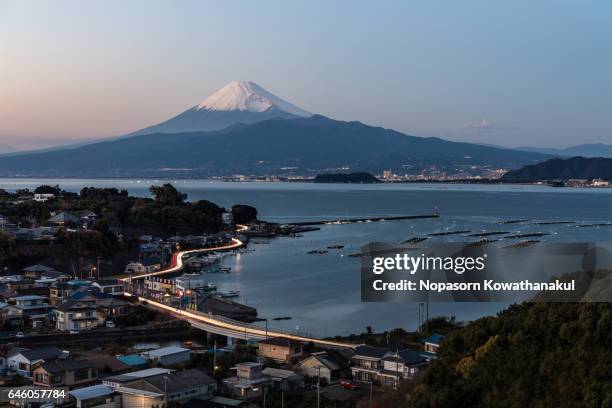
point(98, 268)
point(397, 357)
point(318, 386)
point(370, 404)
point(165, 391)
point(214, 358)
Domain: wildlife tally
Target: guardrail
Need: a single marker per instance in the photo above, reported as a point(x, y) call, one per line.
point(239, 329)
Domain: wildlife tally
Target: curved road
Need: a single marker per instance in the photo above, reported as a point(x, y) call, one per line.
point(218, 324)
point(176, 263)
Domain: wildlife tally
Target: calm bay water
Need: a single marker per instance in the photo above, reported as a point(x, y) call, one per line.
point(321, 292)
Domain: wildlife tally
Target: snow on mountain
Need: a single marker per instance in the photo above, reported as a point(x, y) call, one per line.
point(237, 102)
point(247, 96)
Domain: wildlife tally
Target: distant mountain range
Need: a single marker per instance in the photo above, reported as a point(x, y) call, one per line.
point(584, 150)
point(305, 145)
point(244, 129)
point(5, 148)
point(562, 169)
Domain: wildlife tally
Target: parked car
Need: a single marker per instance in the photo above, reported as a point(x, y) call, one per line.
point(20, 335)
point(349, 385)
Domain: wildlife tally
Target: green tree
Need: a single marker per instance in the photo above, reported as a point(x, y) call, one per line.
point(167, 194)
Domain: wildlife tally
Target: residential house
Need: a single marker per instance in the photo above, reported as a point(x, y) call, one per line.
point(329, 366)
point(281, 350)
point(3, 352)
point(64, 219)
point(110, 286)
point(42, 197)
point(35, 271)
point(431, 343)
point(117, 381)
point(76, 315)
point(21, 361)
point(10, 315)
point(62, 291)
point(174, 388)
point(168, 356)
point(107, 365)
point(249, 381)
point(53, 274)
point(99, 395)
point(13, 286)
point(374, 364)
point(35, 308)
point(69, 373)
point(285, 380)
point(151, 264)
point(109, 308)
point(366, 363)
point(87, 217)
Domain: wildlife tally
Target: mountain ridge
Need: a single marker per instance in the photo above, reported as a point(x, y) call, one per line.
point(562, 169)
point(306, 145)
point(584, 150)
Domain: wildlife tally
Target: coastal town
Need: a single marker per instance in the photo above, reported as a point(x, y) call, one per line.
point(146, 328)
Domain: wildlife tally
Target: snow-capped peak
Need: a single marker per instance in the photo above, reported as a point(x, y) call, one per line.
point(247, 96)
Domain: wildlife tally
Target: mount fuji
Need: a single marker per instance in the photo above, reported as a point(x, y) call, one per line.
point(237, 102)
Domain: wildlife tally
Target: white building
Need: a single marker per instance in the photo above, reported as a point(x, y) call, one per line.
point(110, 286)
point(43, 197)
point(168, 355)
point(100, 396)
point(74, 315)
point(21, 360)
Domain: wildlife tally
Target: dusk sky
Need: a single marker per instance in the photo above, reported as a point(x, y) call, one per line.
point(510, 73)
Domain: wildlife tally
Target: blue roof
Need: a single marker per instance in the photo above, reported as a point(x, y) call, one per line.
point(132, 360)
point(434, 339)
point(95, 391)
point(79, 282)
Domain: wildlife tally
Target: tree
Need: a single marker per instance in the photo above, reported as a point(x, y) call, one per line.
point(167, 195)
point(47, 189)
point(244, 214)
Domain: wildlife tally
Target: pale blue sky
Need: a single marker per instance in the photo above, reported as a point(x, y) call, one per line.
point(510, 73)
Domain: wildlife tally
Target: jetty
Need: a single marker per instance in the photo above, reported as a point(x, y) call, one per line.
point(367, 219)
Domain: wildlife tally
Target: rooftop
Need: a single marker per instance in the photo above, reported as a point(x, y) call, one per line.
point(95, 391)
point(132, 360)
point(136, 375)
point(434, 339)
point(37, 268)
point(166, 351)
point(181, 380)
point(58, 366)
point(39, 353)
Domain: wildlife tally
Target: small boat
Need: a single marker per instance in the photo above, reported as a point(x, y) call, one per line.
point(225, 269)
point(209, 287)
point(230, 294)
